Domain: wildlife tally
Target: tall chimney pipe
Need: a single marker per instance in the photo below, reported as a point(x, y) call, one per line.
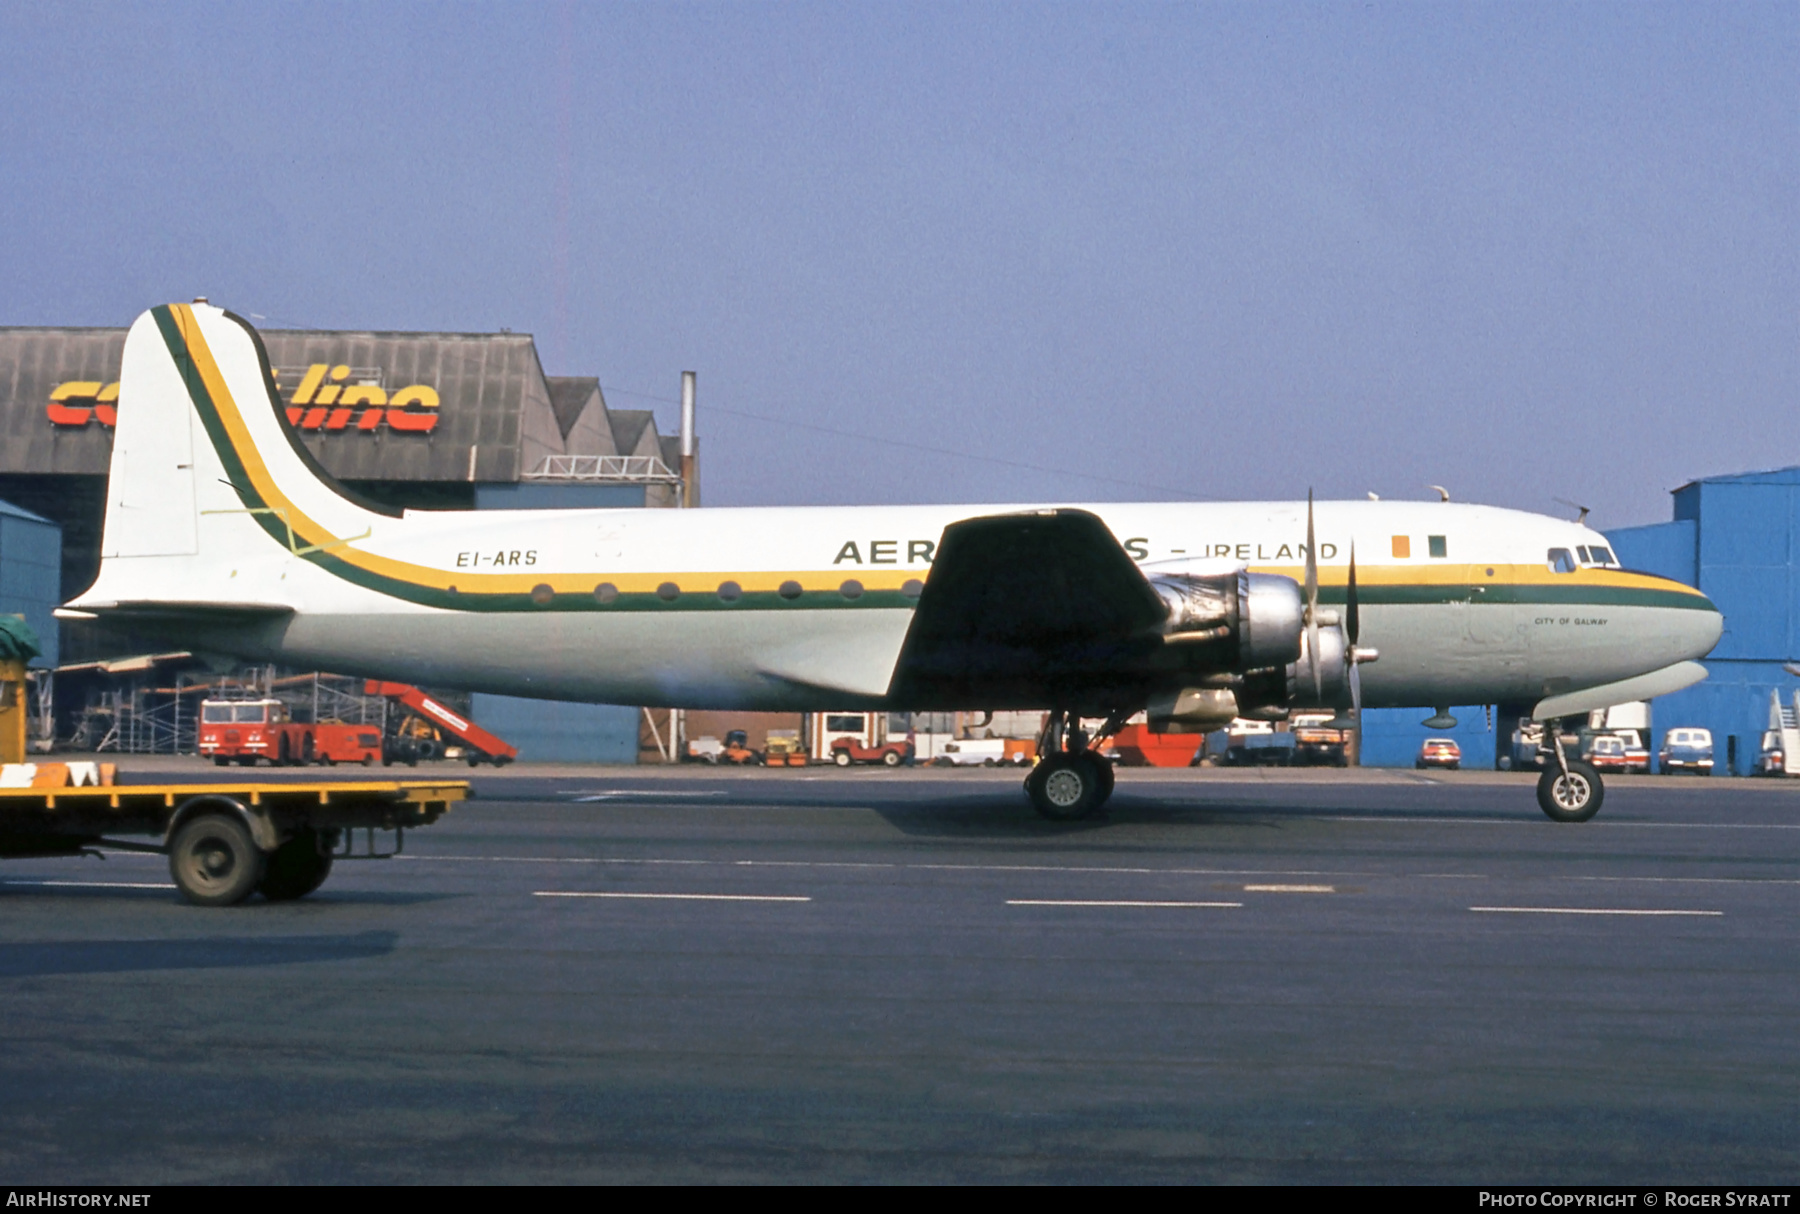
point(690, 487)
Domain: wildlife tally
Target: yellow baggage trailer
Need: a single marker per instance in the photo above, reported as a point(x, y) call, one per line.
point(226, 841)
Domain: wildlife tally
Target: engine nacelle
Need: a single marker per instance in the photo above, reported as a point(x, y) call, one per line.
point(1261, 612)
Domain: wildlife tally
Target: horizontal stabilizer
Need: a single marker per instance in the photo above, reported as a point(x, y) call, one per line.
point(173, 609)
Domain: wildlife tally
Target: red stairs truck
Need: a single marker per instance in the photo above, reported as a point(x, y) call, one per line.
point(479, 745)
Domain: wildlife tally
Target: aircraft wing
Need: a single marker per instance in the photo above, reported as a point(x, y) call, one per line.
point(1026, 610)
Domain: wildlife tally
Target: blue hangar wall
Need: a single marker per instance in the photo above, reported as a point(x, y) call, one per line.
point(1736, 538)
point(550, 731)
point(31, 574)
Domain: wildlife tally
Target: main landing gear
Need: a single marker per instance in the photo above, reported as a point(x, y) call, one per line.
point(1569, 790)
point(1070, 781)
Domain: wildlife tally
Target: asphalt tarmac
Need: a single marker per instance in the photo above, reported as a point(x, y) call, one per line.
point(613, 975)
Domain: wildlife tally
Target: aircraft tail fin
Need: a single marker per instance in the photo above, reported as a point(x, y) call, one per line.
point(208, 485)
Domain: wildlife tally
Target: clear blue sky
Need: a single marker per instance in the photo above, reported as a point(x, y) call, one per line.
point(1522, 251)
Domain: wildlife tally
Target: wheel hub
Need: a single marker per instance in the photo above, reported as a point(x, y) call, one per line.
point(1571, 791)
point(1064, 788)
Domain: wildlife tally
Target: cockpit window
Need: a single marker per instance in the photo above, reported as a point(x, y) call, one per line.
point(1560, 560)
point(1603, 556)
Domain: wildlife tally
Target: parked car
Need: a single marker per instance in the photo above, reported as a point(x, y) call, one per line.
point(845, 751)
point(1439, 752)
point(1686, 749)
point(1618, 751)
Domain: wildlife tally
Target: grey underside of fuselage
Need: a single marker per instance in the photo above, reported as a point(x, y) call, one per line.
point(797, 661)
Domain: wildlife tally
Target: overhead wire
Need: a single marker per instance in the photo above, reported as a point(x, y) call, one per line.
point(926, 448)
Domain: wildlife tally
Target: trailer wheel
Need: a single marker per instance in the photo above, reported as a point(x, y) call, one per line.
point(214, 860)
point(295, 869)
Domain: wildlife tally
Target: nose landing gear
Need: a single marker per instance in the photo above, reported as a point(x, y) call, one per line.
point(1070, 781)
point(1569, 790)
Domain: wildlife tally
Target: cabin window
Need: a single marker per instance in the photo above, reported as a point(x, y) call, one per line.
point(605, 592)
point(1439, 548)
point(1403, 547)
point(913, 588)
point(851, 589)
point(542, 594)
point(1560, 560)
point(730, 592)
point(668, 592)
point(789, 590)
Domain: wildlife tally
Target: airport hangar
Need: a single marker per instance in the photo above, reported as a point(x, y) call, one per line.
point(418, 420)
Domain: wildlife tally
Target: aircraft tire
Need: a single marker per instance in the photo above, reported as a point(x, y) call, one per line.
point(1108, 777)
point(214, 860)
point(1064, 787)
point(1572, 798)
point(295, 869)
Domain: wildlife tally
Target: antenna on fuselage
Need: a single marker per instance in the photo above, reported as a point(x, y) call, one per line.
point(1443, 493)
point(1563, 501)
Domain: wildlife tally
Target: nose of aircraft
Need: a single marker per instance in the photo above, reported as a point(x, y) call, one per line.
point(1693, 627)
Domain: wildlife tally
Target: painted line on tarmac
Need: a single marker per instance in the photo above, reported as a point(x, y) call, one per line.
point(627, 794)
point(1524, 821)
point(1091, 902)
point(94, 884)
point(1587, 910)
point(1290, 889)
point(1058, 868)
point(552, 893)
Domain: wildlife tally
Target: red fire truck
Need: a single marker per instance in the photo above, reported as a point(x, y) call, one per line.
point(244, 731)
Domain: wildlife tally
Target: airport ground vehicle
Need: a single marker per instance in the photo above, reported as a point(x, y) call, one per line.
point(783, 748)
point(1617, 752)
point(479, 746)
point(1138, 747)
point(225, 841)
point(1318, 741)
point(243, 731)
point(1771, 759)
point(845, 751)
point(1686, 749)
point(985, 752)
point(1439, 752)
point(1257, 743)
point(735, 749)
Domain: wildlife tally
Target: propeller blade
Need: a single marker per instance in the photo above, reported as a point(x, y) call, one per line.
point(1312, 604)
point(1356, 705)
point(1352, 616)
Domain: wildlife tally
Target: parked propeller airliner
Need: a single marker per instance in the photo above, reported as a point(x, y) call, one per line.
point(223, 531)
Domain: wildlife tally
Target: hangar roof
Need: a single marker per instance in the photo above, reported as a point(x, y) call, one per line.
point(494, 401)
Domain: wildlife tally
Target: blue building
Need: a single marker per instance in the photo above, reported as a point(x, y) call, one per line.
point(1737, 538)
point(31, 574)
